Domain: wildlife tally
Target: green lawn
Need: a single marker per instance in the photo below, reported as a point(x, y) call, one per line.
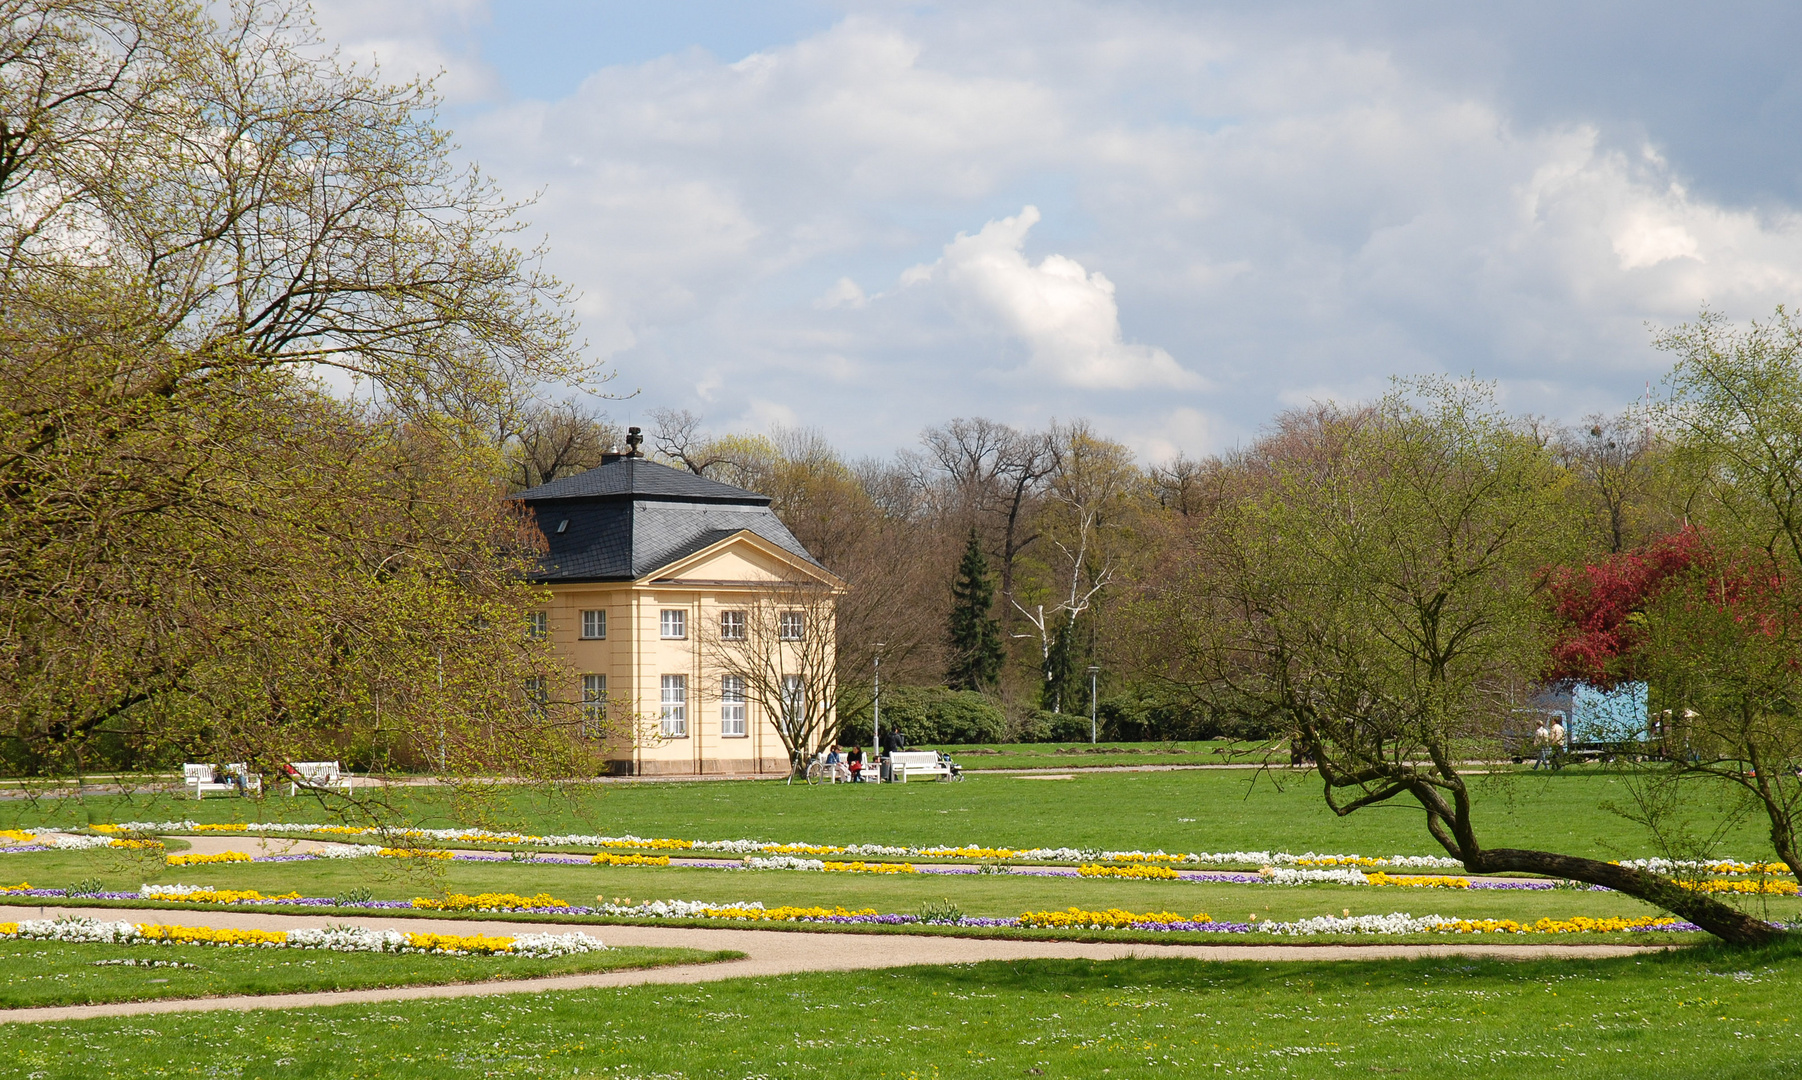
point(984, 895)
point(1082, 755)
point(1700, 1013)
point(58, 973)
point(1175, 811)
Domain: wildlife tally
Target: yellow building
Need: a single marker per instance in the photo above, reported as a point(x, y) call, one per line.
point(696, 621)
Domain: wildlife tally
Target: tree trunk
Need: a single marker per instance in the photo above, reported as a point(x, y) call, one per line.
point(1722, 920)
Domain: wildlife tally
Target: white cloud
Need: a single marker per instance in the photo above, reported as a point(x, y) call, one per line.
point(1065, 316)
point(1290, 212)
point(408, 39)
point(844, 293)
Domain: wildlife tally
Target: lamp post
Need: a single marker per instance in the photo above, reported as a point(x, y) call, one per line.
point(876, 704)
point(1092, 672)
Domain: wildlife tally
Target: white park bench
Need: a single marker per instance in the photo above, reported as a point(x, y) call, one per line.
point(200, 779)
point(909, 763)
point(316, 775)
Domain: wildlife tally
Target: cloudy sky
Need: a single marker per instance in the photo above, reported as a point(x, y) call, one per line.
point(1174, 218)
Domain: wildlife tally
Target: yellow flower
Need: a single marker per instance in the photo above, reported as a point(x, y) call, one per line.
point(872, 868)
point(1418, 881)
point(195, 860)
point(1112, 918)
point(604, 859)
point(470, 943)
point(1758, 888)
point(223, 896)
point(1097, 870)
point(783, 914)
point(488, 901)
point(206, 935)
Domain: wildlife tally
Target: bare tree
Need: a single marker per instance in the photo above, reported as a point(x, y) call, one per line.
point(1181, 486)
point(781, 660)
point(678, 437)
point(1090, 481)
point(994, 475)
point(1618, 463)
point(558, 440)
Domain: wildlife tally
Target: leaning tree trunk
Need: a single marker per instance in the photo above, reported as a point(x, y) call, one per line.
point(1722, 920)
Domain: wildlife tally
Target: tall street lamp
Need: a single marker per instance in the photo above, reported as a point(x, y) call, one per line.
point(876, 704)
point(1092, 671)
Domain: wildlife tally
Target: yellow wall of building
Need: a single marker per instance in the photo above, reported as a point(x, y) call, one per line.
point(635, 656)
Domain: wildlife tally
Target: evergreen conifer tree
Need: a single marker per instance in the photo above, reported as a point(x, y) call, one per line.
point(975, 634)
point(1061, 678)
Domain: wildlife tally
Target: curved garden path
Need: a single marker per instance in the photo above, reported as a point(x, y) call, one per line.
point(767, 952)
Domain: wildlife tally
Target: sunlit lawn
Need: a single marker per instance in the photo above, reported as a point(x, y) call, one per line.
point(1706, 1014)
point(1174, 811)
point(59, 973)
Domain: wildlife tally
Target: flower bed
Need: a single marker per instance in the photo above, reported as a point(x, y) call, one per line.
point(1756, 888)
point(1675, 867)
point(1111, 919)
point(604, 859)
point(201, 860)
point(491, 902)
point(1097, 870)
point(868, 868)
point(1072, 918)
point(334, 938)
point(758, 847)
point(1306, 868)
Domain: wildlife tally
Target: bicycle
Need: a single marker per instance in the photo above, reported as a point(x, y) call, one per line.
point(820, 772)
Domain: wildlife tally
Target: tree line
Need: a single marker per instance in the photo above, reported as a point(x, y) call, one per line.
point(269, 365)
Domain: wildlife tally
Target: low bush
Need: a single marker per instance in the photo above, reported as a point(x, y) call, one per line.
point(933, 715)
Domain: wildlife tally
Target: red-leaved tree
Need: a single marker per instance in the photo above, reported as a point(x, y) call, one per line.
point(1603, 606)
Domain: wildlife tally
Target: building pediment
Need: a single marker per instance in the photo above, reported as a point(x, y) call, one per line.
point(742, 558)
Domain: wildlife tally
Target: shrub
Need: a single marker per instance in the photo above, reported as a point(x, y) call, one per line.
point(1043, 726)
point(933, 715)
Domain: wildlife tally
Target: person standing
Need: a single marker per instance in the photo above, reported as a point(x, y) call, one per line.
point(1557, 740)
point(1542, 747)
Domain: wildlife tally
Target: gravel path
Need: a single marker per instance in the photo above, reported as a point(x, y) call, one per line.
point(767, 952)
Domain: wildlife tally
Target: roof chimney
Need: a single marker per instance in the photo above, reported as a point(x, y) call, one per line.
point(634, 439)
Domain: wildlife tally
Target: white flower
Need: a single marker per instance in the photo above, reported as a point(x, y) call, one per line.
point(543, 945)
point(349, 851)
point(783, 862)
point(1276, 875)
point(1399, 922)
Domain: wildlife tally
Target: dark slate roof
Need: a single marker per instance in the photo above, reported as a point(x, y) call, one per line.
point(640, 478)
point(631, 517)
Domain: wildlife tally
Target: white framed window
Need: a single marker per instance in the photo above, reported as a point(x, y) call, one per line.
point(675, 706)
point(794, 700)
point(594, 702)
point(732, 707)
point(594, 625)
point(538, 624)
point(537, 695)
point(673, 624)
point(732, 626)
point(791, 626)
